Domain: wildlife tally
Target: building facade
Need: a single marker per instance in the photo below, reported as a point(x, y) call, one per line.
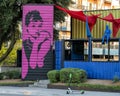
point(85, 5)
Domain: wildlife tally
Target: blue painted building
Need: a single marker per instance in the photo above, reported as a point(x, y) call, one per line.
point(99, 63)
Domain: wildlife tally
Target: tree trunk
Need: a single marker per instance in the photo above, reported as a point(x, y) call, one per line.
point(13, 41)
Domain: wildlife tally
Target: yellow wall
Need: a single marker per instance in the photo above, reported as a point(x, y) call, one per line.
point(78, 27)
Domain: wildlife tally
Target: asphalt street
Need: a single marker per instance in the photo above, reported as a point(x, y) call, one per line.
point(36, 91)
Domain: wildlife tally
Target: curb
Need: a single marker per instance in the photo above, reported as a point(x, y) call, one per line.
point(52, 86)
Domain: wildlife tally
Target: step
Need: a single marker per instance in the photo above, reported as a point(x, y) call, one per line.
point(40, 83)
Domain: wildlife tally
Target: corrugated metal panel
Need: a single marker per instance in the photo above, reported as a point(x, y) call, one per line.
point(78, 27)
point(97, 70)
point(58, 55)
point(41, 73)
point(37, 53)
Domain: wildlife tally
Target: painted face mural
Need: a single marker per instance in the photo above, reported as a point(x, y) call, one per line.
point(37, 39)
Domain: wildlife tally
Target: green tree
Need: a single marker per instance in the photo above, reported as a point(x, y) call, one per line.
point(9, 17)
point(11, 14)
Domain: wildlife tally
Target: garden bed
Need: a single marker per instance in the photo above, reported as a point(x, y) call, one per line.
point(91, 85)
point(15, 82)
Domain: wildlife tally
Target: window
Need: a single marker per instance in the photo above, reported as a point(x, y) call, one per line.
point(77, 50)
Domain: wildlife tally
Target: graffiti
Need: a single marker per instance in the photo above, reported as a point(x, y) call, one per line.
point(36, 41)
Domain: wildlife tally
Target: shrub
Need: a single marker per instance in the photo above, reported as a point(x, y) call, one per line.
point(53, 76)
point(77, 75)
point(115, 79)
point(82, 75)
point(1, 76)
point(15, 74)
point(64, 74)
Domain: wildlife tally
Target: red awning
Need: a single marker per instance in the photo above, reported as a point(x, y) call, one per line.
point(93, 18)
point(115, 23)
point(81, 16)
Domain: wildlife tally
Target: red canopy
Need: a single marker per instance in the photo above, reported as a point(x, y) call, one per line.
point(115, 23)
point(93, 18)
point(75, 14)
point(81, 16)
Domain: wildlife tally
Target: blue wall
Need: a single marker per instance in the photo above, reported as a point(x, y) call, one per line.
point(97, 70)
point(58, 55)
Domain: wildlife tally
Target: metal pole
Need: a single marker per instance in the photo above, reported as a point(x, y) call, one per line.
point(90, 49)
point(119, 50)
point(108, 51)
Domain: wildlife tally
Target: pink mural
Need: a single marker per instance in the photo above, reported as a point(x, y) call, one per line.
point(37, 36)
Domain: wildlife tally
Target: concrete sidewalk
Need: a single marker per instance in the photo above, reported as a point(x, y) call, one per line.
point(36, 91)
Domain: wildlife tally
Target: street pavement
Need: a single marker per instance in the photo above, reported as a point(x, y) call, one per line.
point(36, 91)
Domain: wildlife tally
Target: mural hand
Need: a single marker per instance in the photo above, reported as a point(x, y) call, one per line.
point(33, 56)
point(24, 64)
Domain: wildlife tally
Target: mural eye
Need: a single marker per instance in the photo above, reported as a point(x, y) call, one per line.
point(33, 25)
